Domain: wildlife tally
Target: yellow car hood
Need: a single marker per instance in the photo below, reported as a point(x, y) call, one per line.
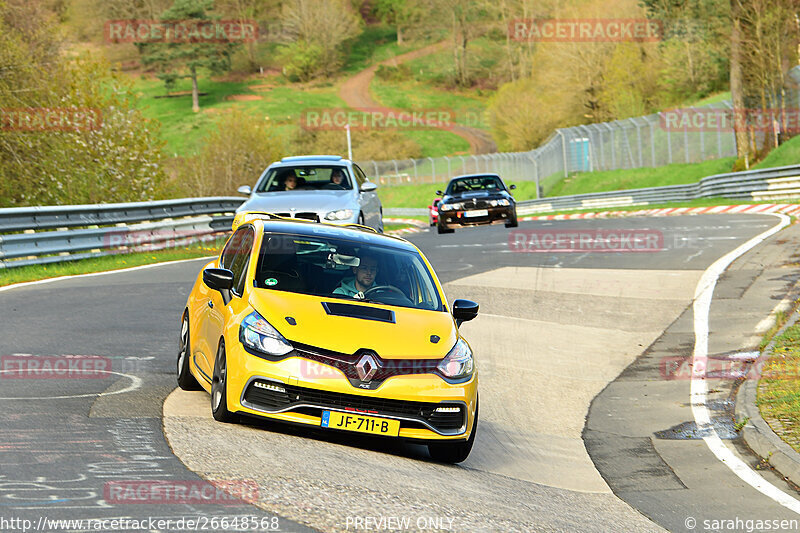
point(408, 338)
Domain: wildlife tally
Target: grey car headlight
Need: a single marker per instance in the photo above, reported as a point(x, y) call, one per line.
point(341, 214)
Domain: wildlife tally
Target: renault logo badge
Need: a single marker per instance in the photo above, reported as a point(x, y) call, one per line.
point(366, 367)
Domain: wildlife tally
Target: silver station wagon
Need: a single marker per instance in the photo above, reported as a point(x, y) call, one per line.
point(323, 188)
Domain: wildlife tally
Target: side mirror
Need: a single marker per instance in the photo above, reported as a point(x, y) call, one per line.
point(368, 186)
point(439, 193)
point(245, 190)
point(219, 279)
point(464, 310)
point(512, 187)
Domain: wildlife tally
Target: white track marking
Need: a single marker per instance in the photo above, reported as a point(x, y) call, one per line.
point(90, 274)
point(699, 388)
point(136, 383)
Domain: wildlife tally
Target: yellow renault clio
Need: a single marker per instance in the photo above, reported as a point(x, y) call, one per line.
point(334, 327)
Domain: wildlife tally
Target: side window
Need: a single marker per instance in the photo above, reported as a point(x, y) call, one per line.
point(360, 176)
point(236, 256)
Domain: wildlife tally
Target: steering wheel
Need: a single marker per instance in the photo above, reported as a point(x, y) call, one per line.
point(390, 288)
point(333, 186)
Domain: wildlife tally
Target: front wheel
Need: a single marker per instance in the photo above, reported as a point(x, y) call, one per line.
point(458, 452)
point(512, 222)
point(186, 380)
point(219, 388)
point(441, 229)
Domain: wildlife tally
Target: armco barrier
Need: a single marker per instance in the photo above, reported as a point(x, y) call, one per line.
point(756, 185)
point(40, 235)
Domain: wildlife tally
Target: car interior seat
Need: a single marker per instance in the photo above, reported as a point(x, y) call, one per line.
point(278, 268)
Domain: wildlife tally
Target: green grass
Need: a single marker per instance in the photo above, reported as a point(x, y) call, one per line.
point(375, 44)
point(105, 263)
point(183, 130)
point(416, 96)
point(779, 388)
point(421, 195)
point(786, 154)
point(615, 180)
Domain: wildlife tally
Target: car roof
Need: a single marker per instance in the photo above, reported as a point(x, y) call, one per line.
point(480, 175)
point(321, 229)
point(312, 159)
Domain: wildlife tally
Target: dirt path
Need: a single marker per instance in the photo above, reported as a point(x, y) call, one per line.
point(355, 92)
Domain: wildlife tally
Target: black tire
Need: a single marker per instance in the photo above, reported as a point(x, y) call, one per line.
point(186, 380)
point(219, 388)
point(431, 222)
point(360, 219)
point(512, 222)
point(380, 230)
point(441, 229)
point(455, 452)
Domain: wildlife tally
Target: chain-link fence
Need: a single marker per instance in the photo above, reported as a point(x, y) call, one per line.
point(693, 135)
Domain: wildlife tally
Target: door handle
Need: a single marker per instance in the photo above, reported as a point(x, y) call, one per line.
point(211, 304)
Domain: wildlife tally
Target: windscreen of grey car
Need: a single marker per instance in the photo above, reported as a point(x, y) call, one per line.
point(321, 265)
point(307, 178)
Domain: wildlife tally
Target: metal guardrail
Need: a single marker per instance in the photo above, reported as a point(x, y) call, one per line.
point(76, 232)
point(41, 235)
point(764, 184)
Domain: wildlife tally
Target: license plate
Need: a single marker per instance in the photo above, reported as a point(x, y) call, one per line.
point(476, 213)
point(359, 423)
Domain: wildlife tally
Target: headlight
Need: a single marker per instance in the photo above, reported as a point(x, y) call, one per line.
point(257, 334)
point(341, 214)
point(501, 202)
point(458, 363)
point(449, 207)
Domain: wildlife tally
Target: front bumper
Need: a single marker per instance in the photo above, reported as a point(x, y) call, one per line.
point(310, 387)
point(461, 218)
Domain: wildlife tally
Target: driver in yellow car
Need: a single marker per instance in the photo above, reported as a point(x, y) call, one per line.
point(363, 279)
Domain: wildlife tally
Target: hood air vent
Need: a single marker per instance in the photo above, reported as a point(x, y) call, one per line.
point(358, 311)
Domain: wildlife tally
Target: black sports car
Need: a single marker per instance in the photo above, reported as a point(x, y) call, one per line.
point(476, 199)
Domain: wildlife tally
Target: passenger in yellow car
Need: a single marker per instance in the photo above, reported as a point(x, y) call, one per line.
point(362, 281)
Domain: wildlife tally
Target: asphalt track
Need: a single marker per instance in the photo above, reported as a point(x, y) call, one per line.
point(580, 430)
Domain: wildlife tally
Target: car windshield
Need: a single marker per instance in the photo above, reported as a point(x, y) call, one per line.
point(477, 183)
point(346, 269)
point(305, 178)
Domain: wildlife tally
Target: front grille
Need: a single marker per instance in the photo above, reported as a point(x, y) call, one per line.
point(305, 216)
point(271, 400)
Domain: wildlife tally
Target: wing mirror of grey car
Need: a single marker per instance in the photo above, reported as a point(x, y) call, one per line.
point(464, 310)
point(368, 186)
point(439, 193)
point(245, 190)
point(219, 279)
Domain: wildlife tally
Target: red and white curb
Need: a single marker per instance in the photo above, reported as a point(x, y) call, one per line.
point(419, 225)
point(786, 209)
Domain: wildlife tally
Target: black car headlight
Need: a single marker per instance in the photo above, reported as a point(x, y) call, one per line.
point(458, 363)
point(257, 334)
point(502, 202)
point(449, 207)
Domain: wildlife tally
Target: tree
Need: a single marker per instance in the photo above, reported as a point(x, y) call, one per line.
point(118, 159)
point(400, 13)
point(317, 30)
point(186, 59)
